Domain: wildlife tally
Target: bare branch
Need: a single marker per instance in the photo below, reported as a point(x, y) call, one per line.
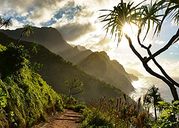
point(138, 39)
point(133, 48)
point(172, 40)
point(162, 70)
point(149, 70)
point(154, 60)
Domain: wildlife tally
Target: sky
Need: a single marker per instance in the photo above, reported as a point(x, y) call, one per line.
point(78, 22)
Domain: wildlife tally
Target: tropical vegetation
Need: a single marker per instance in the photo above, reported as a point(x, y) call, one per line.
point(145, 17)
point(151, 98)
point(121, 113)
point(25, 98)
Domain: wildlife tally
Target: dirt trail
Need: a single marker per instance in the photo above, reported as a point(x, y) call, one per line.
point(67, 119)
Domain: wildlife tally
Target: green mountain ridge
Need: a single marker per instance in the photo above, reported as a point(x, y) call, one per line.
point(52, 40)
point(48, 37)
point(56, 71)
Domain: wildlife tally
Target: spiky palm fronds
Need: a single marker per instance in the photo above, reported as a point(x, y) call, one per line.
point(121, 14)
point(5, 22)
point(152, 97)
point(148, 15)
point(171, 10)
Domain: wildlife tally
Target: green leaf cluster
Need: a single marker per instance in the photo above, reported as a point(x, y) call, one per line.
point(169, 115)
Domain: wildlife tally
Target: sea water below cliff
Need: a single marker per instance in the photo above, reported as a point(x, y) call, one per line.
point(144, 83)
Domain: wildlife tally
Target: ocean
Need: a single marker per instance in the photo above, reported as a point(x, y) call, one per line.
point(144, 83)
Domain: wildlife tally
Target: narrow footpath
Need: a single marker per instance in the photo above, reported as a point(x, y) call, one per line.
point(67, 119)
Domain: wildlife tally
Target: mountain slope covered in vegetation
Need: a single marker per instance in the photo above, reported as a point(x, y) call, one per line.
point(25, 97)
point(52, 40)
point(107, 70)
point(55, 70)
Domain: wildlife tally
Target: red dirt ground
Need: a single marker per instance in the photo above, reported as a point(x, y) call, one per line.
point(67, 119)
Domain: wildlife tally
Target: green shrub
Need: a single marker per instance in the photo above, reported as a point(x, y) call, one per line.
point(2, 48)
point(76, 107)
point(95, 119)
point(73, 104)
point(168, 116)
point(13, 58)
point(25, 98)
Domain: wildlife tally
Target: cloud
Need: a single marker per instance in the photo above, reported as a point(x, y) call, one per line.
point(67, 12)
point(16, 24)
point(39, 16)
point(36, 11)
point(51, 12)
point(73, 31)
point(27, 5)
point(18, 5)
point(103, 41)
point(159, 42)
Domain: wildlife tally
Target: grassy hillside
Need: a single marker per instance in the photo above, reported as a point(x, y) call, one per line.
point(56, 71)
point(25, 98)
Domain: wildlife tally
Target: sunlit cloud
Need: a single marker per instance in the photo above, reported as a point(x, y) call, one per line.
point(77, 21)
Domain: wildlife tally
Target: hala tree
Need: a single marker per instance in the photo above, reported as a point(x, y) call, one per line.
point(152, 97)
point(143, 16)
point(5, 22)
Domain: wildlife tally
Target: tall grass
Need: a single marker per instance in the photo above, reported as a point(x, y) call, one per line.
point(116, 113)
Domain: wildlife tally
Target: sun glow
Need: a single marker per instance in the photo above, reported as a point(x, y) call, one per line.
point(130, 29)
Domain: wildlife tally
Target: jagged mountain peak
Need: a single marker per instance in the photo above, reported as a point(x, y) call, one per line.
point(99, 55)
point(100, 65)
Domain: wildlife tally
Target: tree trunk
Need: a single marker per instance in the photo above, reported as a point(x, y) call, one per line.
point(174, 92)
point(155, 111)
point(155, 103)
